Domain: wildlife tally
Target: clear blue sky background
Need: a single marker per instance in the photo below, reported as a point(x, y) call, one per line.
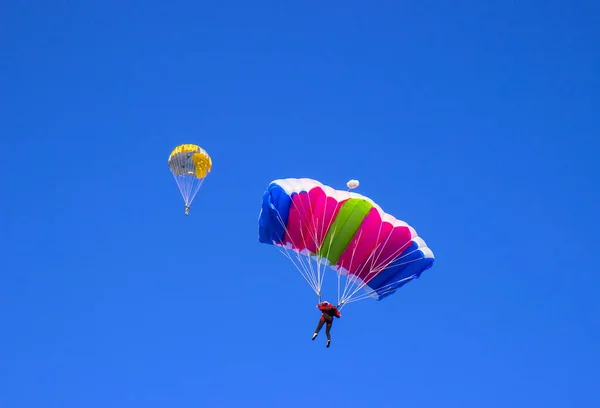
point(474, 121)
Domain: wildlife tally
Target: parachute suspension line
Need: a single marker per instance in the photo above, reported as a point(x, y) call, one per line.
point(286, 253)
point(384, 265)
point(372, 272)
point(188, 189)
point(195, 189)
point(354, 282)
point(305, 269)
point(302, 268)
point(386, 288)
point(373, 259)
point(339, 276)
point(321, 233)
point(389, 287)
point(315, 270)
point(349, 279)
point(187, 182)
point(181, 179)
point(328, 250)
point(308, 219)
point(314, 273)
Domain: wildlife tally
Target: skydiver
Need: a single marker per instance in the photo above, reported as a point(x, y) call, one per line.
point(329, 311)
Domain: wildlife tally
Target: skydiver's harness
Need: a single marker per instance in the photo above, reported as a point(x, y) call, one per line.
point(326, 318)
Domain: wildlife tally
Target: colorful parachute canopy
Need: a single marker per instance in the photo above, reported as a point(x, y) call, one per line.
point(344, 231)
point(190, 164)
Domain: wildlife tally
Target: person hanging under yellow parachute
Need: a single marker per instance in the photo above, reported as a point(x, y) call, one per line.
point(189, 164)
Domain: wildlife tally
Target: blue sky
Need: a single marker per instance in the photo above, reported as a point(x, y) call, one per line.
point(476, 122)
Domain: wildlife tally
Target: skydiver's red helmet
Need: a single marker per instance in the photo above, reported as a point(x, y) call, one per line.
point(325, 302)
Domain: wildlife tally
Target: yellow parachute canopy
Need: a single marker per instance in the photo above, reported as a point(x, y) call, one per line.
point(190, 164)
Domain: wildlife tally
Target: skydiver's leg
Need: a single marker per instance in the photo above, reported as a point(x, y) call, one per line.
point(319, 326)
point(318, 329)
point(328, 330)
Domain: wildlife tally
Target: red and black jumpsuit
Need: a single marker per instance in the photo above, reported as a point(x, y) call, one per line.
point(329, 311)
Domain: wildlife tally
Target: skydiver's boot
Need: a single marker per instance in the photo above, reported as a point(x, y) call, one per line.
point(328, 343)
point(314, 336)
